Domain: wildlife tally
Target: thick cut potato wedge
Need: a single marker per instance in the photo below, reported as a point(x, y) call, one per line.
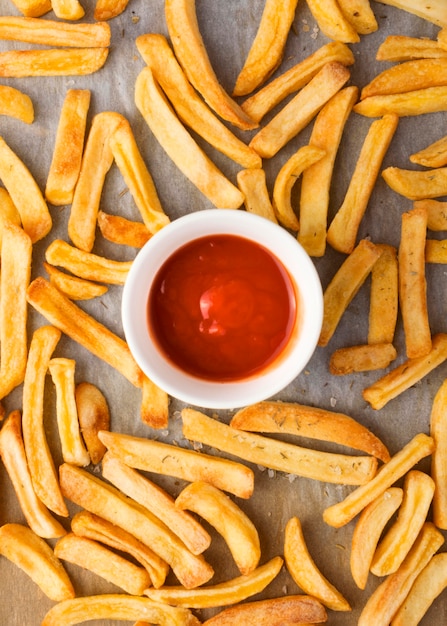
point(73, 287)
point(54, 33)
point(434, 11)
point(434, 155)
point(407, 76)
point(436, 213)
point(108, 9)
point(360, 14)
point(120, 230)
point(332, 21)
point(418, 102)
point(52, 62)
point(297, 609)
point(406, 48)
point(16, 103)
point(415, 184)
point(93, 415)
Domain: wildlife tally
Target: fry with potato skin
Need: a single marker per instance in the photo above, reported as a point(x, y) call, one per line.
point(54, 33)
point(415, 184)
point(434, 155)
point(360, 15)
point(418, 102)
point(93, 415)
point(407, 76)
point(434, 11)
point(52, 62)
point(332, 21)
point(438, 432)
point(16, 103)
point(118, 229)
point(74, 287)
point(406, 48)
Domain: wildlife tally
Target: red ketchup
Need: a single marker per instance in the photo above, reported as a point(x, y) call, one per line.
point(222, 308)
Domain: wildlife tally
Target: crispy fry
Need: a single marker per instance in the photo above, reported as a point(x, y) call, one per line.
point(287, 176)
point(418, 102)
point(438, 432)
point(120, 230)
point(407, 76)
point(435, 11)
point(68, 9)
point(305, 572)
point(38, 453)
point(434, 155)
point(52, 62)
point(277, 455)
point(311, 422)
point(436, 213)
point(362, 358)
point(238, 531)
point(316, 179)
point(367, 532)
point(154, 410)
point(417, 185)
point(180, 146)
point(343, 512)
point(183, 29)
point(16, 103)
point(12, 452)
point(8, 212)
point(383, 603)
point(84, 329)
point(267, 48)
point(406, 48)
point(360, 15)
point(384, 297)
point(436, 251)
point(253, 184)
point(100, 498)
point(406, 375)
point(332, 21)
point(442, 39)
point(156, 500)
point(222, 594)
point(33, 8)
point(73, 287)
point(93, 415)
point(162, 458)
point(25, 193)
point(69, 144)
point(345, 284)
point(54, 33)
point(108, 9)
point(303, 107)
point(342, 232)
point(20, 545)
point(62, 371)
point(16, 255)
point(95, 557)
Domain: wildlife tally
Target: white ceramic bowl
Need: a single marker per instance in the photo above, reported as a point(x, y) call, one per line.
point(232, 394)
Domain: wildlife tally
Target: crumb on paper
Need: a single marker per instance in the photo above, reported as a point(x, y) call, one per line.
point(333, 401)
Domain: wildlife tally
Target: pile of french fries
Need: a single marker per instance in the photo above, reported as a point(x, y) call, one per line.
point(98, 509)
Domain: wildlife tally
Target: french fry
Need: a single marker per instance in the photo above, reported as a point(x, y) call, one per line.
point(267, 48)
point(417, 185)
point(84, 329)
point(429, 584)
point(435, 251)
point(345, 284)
point(361, 358)
point(69, 144)
point(68, 9)
point(104, 500)
point(303, 107)
point(166, 459)
point(154, 411)
point(442, 39)
point(305, 572)
point(434, 155)
point(8, 212)
point(278, 455)
point(436, 213)
point(96, 162)
point(25, 193)
point(20, 545)
point(285, 180)
point(339, 514)
point(97, 558)
point(332, 21)
point(86, 264)
point(52, 62)
point(183, 29)
point(16, 254)
point(93, 415)
point(438, 461)
point(40, 460)
point(16, 103)
point(360, 15)
point(367, 531)
point(385, 600)
point(295, 78)
point(311, 422)
point(434, 12)
point(108, 9)
point(33, 8)
point(384, 297)
point(406, 375)
point(418, 102)
point(406, 48)
point(54, 33)
point(157, 501)
point(407, 76)
point(73, 287)
point(221, 594)
point(62, 371)
point(238, 531)
point(342, 232)
point(120, 230)
point(180, 146)
point(12, 452)
point(316, 179)
point(189, 106)
point(398, 540)
point(253, 184)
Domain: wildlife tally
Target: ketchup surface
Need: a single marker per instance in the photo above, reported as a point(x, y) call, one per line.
point(222, 307)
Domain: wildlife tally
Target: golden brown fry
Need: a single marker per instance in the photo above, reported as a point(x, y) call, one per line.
point(408, 76)
point(104, 500)
point(16, 255)
point(303, 107)
point(442, 39)
point(384, 297)
point(52, 62)
point(120, 230)
point(406, 375)
point(25, 193)
point(20, 545)
point(417, 185)
point(406, 48)
point(360, 15)
point(434, 155)
point(12, 452)
point(154, 411)
point(16, 103)
point(385, 600)
point(166, 459)
point(69, 144)
point(93, 415)
point(183, 29)
point(311, 422)
point(253, 184)
point(68, 9)
point(438, 432)
point(436, 251)
point(8, 212)
point(268, 45)
point(33, 8)
point(108, 9)
point(73, 287)
point(434, 11)
point(285, 180)
point(332, 21)
point(238, 531)
point(278, 455)
point(367, 532)
point(54, 33)
point(305, 572)
point(361, 358)
point(418, 102)
point(436, 213)
point(180, 145)
point(343, 512)
point(342, 232)
point(345, 284)
point(316, 179)
point(95, 557)
point(157, 501)
point(222, 594)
